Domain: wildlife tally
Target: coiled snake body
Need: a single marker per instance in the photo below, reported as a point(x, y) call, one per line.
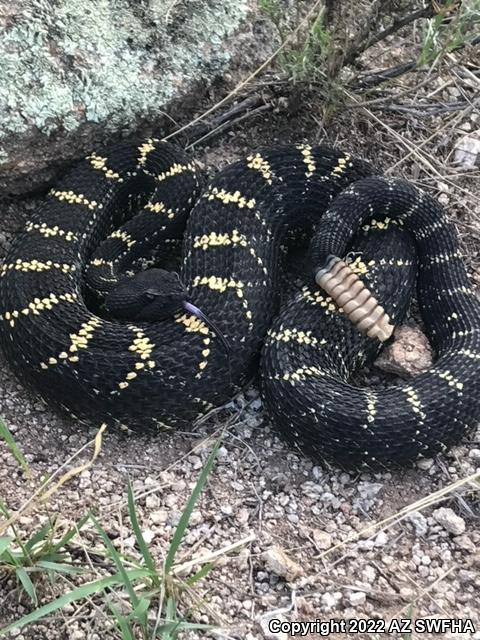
point(160, 364)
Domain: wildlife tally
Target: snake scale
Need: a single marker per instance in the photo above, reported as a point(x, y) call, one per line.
point(91, 330)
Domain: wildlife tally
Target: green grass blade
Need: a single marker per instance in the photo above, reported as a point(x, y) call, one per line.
point(39, 536)
point(71, 533)
point(27, 584)
point(187, 512)
point(139, 613)
point(201, 573)
point(118, 561)
point(147, 557)
point(122, 623)
point(58, 567)
point(86, 590)
point(12, 445)
point(175, 627)
point(5, 542)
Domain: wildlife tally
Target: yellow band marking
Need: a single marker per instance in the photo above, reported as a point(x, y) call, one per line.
point(228, 198)
point(159, 207)
point(38, 305)
point(35, 265)
point(415, 402)
point(358, 266)
point(77, 341)
point(385, 224)
point(474, 355)
point(50, 231)
point(308, 159)
point(100, 164)
point(75, 198)
point(260, 164)
point(124, 237)
point(341, 165)
point(448, 377)
point(100, 262)
point(224, 240)
point(316, 297)
point(295, 335)
point(144, 149)
point(193, 325)
point(142, 347)
point(443, 258)
point(175, 169)
point(300, 374)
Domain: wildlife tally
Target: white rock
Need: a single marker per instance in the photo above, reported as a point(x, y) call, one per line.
point(467, 150)
point(381, 539)
point(328, 600)
point(357, 598)
point(322, 539)
point(449, 520)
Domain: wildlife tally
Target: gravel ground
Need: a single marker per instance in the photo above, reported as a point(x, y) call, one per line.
point(316, 551)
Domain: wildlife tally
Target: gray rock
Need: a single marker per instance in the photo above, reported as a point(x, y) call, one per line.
point(419, 522)
point(449, 520)
point(467, 150)
point(73, 77)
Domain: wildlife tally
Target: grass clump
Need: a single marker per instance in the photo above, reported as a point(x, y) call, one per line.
point(140, 598)
point(451, 28)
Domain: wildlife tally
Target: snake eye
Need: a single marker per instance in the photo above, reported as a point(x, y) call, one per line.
point(150, 294)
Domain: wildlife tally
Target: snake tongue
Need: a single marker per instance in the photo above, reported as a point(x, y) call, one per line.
point(191, 308)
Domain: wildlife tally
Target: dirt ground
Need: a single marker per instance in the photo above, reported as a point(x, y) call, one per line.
point(424, 564)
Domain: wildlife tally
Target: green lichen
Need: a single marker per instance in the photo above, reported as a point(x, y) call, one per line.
point(69, 62)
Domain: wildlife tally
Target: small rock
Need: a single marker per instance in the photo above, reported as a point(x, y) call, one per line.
point(369, 490)
point(148, 535)
point(277, 561)
point(465, 543)
point(159, 517)
point(474, 454)
point(357, 598)
point(328, 600)
point(323, 540)
point(467, 150)
point(381, 539)
point(425, 464)
point(409, 355)
point(419, 523)
point(449, 520)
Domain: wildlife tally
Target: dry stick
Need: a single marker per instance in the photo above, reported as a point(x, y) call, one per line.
point(424, 592)
point(413, 149)
point(363, 43)
point(254, 74)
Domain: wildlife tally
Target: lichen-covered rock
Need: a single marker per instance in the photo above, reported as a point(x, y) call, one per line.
point(79, 73)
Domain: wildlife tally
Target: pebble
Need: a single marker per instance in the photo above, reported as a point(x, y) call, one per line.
point(357, 598)
point(381, 539)
point(449, 520)
point(322, 539)
point(419, 522)
point(277, 561)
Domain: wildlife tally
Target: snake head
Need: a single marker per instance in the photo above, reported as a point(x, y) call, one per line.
point(154, 295)
point(150, 295)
